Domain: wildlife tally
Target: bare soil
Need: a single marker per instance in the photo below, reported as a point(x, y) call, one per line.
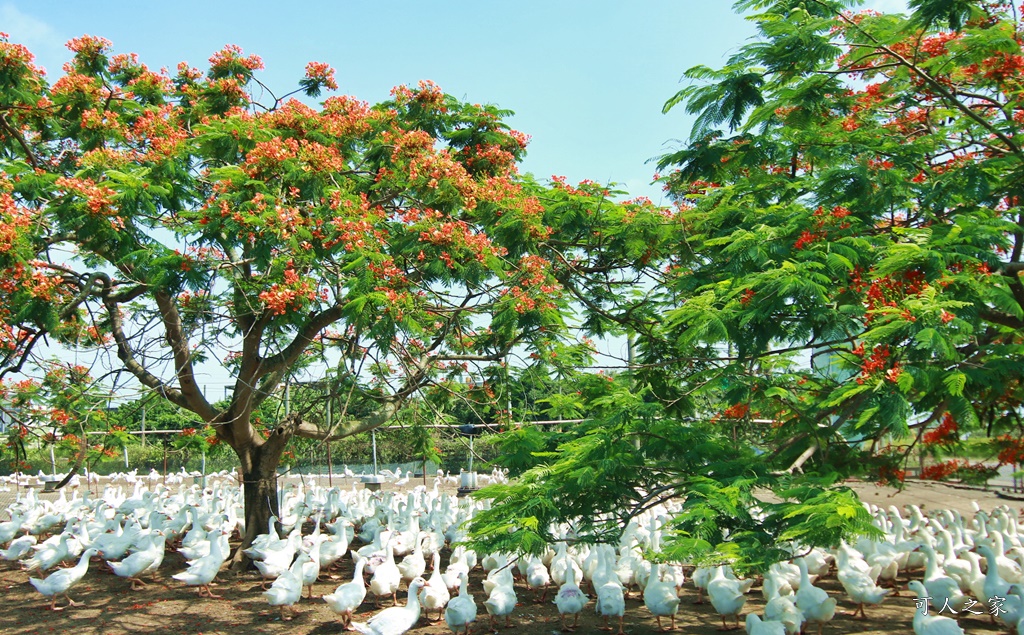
point(166, 607)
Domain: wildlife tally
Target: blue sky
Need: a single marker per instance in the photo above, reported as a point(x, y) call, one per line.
point(586, 79)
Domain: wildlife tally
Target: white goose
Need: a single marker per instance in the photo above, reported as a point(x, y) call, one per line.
point(862, 588)
point(570, 600)
point(10, 528)
point(1009, 569)
point(501, 576)
point(781, 608)
point(818, 608)
point(611, 595)
point(278, 557)
point(624, 568)
point(145, 560)
point(414, 564)
point(501, 600)
point(537, 576)
point(311, 569)
point(955, 567)
point(387, 578)
point(19, 548)
point(943, 589)
point(660, 598)
point(287, 588)
point(561, 563)
point(333, 549)
point(435, 594)
point(726, 596)
point(49, 555)
point(395, 620)
point(994, 584)
point(930, 623)
point(201, 572)
point(755, 626)
point(700, 578)
point(461, 609)
point(60, 582)
point(347, 597)
point(456, 567)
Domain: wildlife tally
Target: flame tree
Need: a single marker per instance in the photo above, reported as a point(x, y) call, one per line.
point(843, 273)
point(170, 224)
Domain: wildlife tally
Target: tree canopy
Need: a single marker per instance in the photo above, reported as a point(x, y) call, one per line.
point(840, 274)
point(162, 225)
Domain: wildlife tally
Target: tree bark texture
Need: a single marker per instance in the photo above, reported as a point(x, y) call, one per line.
point(259, 461)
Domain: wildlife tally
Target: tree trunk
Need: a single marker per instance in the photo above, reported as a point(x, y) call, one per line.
point(259, 463)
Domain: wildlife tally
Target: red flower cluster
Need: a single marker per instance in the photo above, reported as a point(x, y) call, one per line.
point(699, 187)
point(888, 289)
point(99, 198)
point(826, 220)
point(876, 362)
point(943, 471)
point(807, 238)
point(230, 57)
point(1003, 66)
point(13, 56)
point(89, 45)
point(293, 294)
point(736, 411)
point(944, 434)
point(321, 73)
point(1011, 450)
point(891, 474)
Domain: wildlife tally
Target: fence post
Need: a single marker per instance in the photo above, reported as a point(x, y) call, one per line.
point(330, 470)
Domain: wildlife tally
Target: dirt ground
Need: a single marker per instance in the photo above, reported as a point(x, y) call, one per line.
point(167, 607)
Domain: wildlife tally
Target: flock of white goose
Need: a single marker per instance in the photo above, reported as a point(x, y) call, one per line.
point(959, 565)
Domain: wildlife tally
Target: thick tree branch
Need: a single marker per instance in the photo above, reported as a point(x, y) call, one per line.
point(303, 339)
point(349, 427)
point(22, 351)
point(803, 458)
point(91, 283)
point(9, 129)
point(182, 353)
point(127, 356)
point(1003, 319)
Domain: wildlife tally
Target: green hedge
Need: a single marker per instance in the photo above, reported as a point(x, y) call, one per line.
point(142, 459)
point(392, 447)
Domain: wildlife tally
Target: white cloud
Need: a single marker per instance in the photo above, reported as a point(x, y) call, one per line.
point(40, 38)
